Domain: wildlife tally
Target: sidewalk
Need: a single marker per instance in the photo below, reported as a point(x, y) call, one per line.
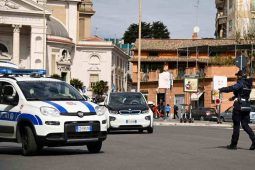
point(197, 123)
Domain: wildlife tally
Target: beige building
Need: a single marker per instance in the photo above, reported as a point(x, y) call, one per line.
point(234, 18)
point(57, 36)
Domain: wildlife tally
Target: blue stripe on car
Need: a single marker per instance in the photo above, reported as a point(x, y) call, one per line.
point(9, 116)
point(39, 120)
point(16, 116)
point(89, 106)
point(30, 117)
point(60, 108)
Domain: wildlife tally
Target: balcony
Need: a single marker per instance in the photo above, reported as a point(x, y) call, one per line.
point(153, 76)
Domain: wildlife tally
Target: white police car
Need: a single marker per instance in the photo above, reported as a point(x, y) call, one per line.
point(38, 112)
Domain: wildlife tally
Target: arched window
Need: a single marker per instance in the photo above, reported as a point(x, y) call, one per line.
point(3, 48)
point(94, 60)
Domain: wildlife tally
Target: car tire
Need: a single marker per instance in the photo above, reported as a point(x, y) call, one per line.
point(94, 147)
point(150, 130)
point(222, 119)
point(29, 145)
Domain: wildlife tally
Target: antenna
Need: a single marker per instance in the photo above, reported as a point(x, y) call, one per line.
point(196, 29)
point(197, 6)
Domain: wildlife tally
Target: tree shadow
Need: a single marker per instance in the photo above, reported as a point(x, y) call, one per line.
point(124, 132)
point(46, 151)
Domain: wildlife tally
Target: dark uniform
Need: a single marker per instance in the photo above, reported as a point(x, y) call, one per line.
point(241, 90)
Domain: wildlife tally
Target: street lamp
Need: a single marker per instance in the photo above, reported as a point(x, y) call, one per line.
point(139, 46)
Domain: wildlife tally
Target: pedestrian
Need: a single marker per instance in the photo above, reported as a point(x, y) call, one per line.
point(241, 111)
point(176, 111)
point(156, 111)
point(162, 110)
point(168, 110)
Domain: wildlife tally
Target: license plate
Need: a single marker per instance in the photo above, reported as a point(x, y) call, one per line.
point(131, 121)
point(83, 128)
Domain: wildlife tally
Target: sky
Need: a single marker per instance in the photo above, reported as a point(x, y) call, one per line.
point(113, 17)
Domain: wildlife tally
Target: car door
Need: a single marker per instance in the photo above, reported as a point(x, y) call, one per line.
point(228, 116)
point(9, 110)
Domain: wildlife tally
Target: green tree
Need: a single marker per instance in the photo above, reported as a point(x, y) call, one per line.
point(100, 87)
point(132, 32)
point(76, 83)
point(155, 30)
point(159, 30)
point(56, 76)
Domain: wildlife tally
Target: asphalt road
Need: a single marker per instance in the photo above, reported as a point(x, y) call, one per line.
point(168, 148)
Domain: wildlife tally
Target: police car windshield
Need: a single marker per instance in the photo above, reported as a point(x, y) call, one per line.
point(49, 90)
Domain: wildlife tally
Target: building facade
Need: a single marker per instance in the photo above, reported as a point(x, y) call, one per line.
point(57, 36)
point(234, 18)
point(199, 58)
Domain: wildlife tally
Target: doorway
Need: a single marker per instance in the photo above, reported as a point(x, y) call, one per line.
point(160, 97)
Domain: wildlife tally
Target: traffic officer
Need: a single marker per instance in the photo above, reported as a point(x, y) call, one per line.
point(241, 90)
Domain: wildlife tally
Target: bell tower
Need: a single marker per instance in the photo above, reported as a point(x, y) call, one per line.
point(86, 11)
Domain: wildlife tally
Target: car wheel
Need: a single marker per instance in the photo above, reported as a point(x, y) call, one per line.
point(29, 145)
point(94, 147)
point(222, 119)
point(150, 130)
point(140, 130)
point(202, 118)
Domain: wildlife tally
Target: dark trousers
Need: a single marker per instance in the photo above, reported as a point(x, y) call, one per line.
point(243, 118)
point(176, 114)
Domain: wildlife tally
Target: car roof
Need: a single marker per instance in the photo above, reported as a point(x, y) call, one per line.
point(27, 78)
point(125, 93)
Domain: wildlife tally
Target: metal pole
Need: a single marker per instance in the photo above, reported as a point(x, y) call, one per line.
point(139, 46)
point(44, 34)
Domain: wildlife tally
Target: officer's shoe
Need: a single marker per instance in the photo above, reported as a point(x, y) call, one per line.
point(232, 147)
point(252, 146)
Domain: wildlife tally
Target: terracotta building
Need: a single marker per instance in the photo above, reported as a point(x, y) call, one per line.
point(201, 58)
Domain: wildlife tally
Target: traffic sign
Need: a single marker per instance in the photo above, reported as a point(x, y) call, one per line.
point(217, 101)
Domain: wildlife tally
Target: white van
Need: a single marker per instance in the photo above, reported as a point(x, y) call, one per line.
point(128, 111)
point(38, 112)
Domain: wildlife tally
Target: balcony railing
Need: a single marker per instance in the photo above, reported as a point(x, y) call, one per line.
point(154, 76)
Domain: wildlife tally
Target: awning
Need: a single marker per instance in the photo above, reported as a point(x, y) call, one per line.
point(252, 95)
point(196, 96)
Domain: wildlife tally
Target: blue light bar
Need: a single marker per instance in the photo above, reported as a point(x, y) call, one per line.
point(13, 71)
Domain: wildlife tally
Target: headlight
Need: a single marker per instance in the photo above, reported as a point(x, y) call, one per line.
point(113, 111)
point(100, 110)
point(146, 112)
point(49, 111)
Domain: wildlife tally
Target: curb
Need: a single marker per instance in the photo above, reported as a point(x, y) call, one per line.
point(192, 124)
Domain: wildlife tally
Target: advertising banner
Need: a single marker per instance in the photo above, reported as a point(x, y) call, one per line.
point(165, 80)
point(190, 84)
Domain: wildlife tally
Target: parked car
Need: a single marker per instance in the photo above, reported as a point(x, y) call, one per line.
point(226, 116)
point(128, 111)
point(204, 113)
